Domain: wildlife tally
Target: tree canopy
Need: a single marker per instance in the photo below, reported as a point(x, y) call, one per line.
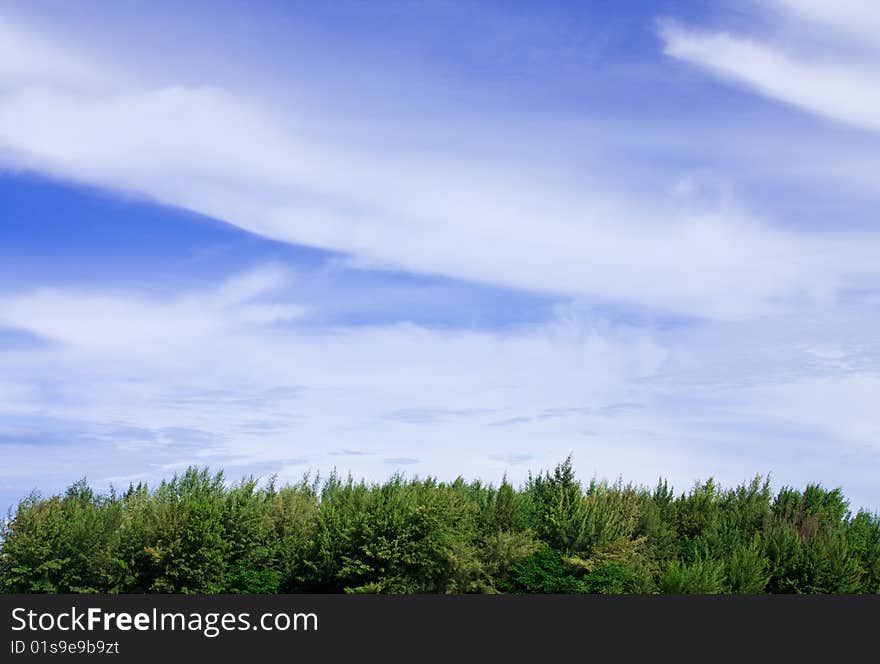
point(197, 533)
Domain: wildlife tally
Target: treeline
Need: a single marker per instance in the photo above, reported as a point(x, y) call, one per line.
point(196, 534)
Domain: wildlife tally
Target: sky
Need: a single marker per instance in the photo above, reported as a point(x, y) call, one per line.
point(440, 238)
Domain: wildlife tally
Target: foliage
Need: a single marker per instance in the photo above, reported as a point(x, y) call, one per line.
point(702, 576)
point(198, 533)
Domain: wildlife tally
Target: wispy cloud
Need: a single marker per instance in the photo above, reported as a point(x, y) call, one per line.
point(107, 323)
point(833, 71)
point(402, 461)
point(684, 402)
point(429, 415)
point(216, 152)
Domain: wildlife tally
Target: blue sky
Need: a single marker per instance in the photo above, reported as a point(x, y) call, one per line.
point(443, 238)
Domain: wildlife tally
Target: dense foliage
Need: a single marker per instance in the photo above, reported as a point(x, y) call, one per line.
point(196, 534)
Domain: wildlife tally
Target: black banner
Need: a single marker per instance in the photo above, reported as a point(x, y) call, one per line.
point(132, 628)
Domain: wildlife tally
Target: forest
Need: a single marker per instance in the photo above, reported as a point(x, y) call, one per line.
point(198, 533)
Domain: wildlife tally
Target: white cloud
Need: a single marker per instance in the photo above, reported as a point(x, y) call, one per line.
point(258, 394)
point(146, 386)
point(856, 18)
point(841, 407)
point(825, 76)
point(28, 60)
point(454, 212)
point(112, 324)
